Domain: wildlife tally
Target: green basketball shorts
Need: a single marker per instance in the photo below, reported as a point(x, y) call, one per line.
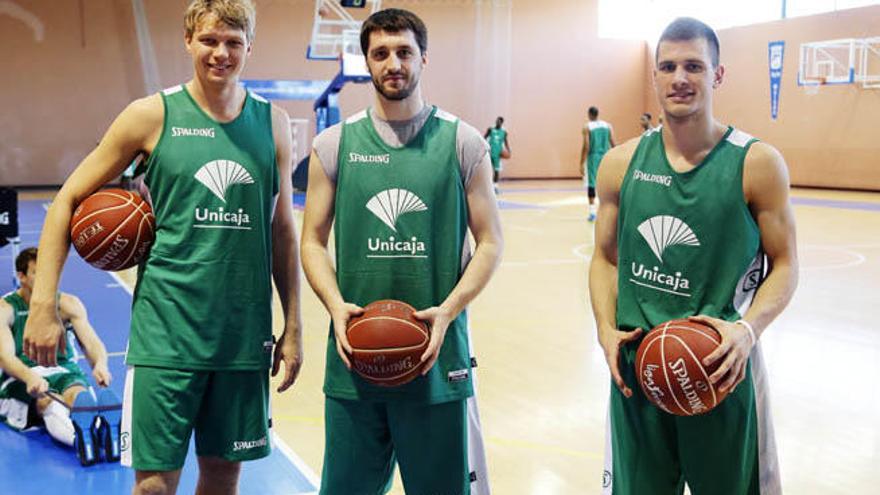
point(364, 439)
point(228, 410)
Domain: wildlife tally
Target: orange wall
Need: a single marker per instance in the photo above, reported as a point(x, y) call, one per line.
point(539, 64)
point(829, 139)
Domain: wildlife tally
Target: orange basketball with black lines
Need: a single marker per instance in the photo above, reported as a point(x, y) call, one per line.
point(387, 343)
point(113, 229)
point(669, 365)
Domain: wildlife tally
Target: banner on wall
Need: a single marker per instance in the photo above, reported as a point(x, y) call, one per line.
point(776, 50)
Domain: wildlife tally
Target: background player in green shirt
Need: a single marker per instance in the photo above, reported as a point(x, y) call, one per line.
point(598, 139)
point(405, 149)
point(24, 384)
point(201, 339)
point(498, 148)
point(726, 196)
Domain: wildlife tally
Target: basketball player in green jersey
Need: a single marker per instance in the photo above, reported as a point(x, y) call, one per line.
point(218, 171)
point(403, 182)
point(694, 221)
point(24, 384)
point(598, 139)
point(497, 139)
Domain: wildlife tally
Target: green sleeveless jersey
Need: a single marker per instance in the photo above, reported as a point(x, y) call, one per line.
point(401, 224)
point(496, 141)
point(204, 294)
point(600, 137)
point(21, 310)
point(687, 242)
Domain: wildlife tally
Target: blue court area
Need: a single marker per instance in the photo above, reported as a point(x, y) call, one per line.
point(31, 463)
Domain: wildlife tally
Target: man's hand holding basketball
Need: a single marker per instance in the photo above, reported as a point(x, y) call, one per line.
point(438, 319)
point(44, 335)
point(288, 350)
point(611, 339)
point(341, 315)
point(733, 353)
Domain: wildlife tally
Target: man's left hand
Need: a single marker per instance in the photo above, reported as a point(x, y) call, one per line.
point(438, 320)
point(733, 353)
point(289, 350)
point(102, 374)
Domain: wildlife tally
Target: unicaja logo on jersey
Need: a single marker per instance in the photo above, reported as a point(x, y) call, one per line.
point(662, 232)
point(218, 176)
point(388, 206)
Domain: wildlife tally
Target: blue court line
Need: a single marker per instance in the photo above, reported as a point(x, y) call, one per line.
point(510, 205)
point(31, 463)
point(836, 203)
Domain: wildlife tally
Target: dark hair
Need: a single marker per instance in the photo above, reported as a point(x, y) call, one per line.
point(394, 21)
point(24, 258)
point(647, 115)
point(500, 119)
point(688, 28)
point(593, 112)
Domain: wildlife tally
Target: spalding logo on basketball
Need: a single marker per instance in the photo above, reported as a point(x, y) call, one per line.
point(387, 343)
point(669, 365)
point(113, 229)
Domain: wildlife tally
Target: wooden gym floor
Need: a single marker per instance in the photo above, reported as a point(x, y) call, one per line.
point(543, 382)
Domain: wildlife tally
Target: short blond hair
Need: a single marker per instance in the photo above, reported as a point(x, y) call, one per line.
point(239, 14)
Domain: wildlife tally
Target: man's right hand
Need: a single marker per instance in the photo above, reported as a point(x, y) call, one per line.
point(37, 386)
point(611, 339)
point(341, 315)
point(44, 336)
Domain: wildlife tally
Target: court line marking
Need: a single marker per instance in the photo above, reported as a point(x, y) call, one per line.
point(859, 257)
point(277, 440)
point(297, 461)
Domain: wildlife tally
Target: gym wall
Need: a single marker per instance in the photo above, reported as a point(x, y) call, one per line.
point(539, 64)
point(829, 139)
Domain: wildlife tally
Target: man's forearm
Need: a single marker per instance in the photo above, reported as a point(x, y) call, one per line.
point(321, 275)
point(486, 257)
point(53, 248)
point(285, 271)
point(773, 296)
point(15, 368)
point(603, 292)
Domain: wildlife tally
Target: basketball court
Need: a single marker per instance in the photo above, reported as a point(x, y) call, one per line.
point(542, 380)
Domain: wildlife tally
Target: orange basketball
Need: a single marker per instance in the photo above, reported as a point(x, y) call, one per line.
point(669, 364)
point(505, 154)
point(387, 342)
point(113, 229)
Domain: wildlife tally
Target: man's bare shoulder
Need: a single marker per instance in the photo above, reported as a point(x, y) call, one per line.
point(143, 118)
point(621, 155)
point(68, 305)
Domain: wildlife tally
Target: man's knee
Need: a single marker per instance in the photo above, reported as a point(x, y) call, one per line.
point(156, 482)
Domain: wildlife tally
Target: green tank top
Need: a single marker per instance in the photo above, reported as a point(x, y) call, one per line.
point(203, 296)
point(496, 140)
point(687, 242)
point(600, 137)
point(21, 310)
point(401, 223)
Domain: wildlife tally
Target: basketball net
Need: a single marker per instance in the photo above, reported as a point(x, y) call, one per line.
point(813, 85)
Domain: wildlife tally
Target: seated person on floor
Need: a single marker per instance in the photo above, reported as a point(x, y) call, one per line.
point(25, 388)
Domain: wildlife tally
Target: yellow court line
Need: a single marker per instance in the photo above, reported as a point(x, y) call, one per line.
point(309, 420)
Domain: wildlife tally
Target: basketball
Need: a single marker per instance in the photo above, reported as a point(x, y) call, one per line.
point(113, 229)
point(505, 154)
point(387, 342)
point(670, 369)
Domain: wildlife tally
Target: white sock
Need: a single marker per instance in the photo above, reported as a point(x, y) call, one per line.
point(58, 423)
